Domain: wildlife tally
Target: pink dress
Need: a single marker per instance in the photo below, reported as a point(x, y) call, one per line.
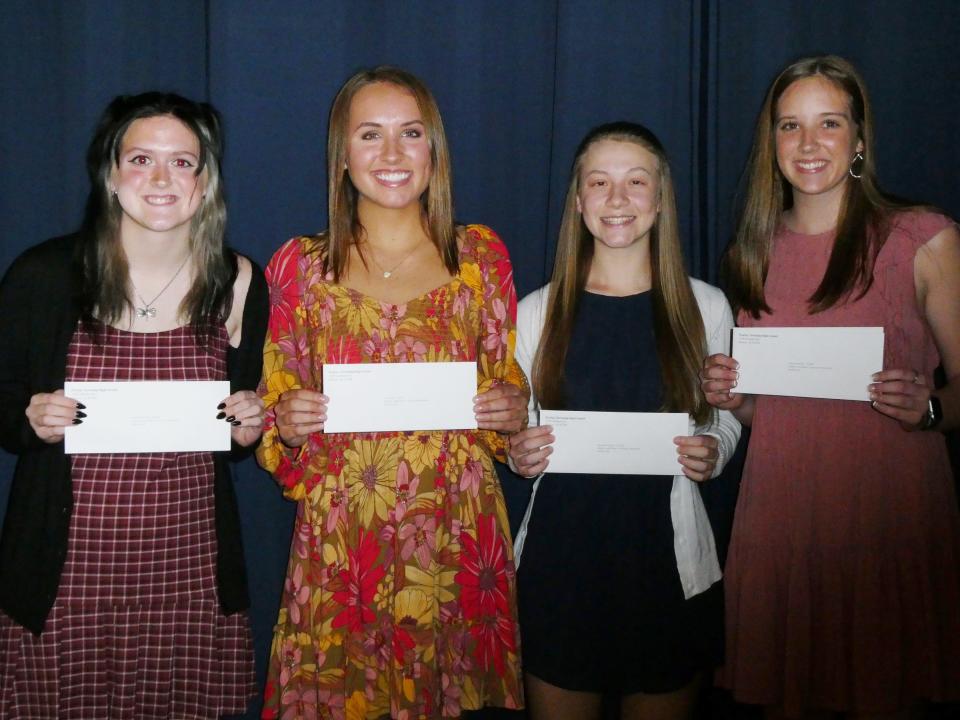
point(136, 632)
point(843, 578)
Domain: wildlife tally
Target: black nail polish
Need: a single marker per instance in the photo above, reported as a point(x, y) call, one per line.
point(231, 418)
point(221, 406)
point(221, 415)
point(77, 421)
point(81, 406)
point(235, 423)
point(81, 414)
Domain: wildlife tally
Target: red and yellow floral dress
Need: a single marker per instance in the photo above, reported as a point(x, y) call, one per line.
point(400, 592)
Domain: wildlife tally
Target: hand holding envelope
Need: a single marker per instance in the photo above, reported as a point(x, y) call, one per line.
point(696, 455)
point(621, 443)
point(298, 413)
point(150, 416)
point(387, 397)
point(814, 362)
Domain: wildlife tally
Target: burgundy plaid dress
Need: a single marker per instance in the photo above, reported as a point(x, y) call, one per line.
point(136, 630)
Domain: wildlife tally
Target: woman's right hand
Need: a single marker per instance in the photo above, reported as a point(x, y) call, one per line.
point(50, 413)
point(717, 378)
point(530, 450)
point(299, 413)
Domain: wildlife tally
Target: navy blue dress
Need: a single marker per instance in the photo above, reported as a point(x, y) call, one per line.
point(601, 604)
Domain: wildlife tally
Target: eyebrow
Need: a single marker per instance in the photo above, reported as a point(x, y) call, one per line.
point(137, 148)
point(823, 114)
point(633, 169)
point(368, 123)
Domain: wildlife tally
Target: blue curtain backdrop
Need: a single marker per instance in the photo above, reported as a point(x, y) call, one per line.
point(518, 84)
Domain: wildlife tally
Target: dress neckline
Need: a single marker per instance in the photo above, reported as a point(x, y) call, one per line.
point(618, 297)
point(346, 289)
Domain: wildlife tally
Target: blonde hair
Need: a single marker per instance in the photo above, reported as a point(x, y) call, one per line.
point(437, 200)
point(678, 326)
point(864, 213)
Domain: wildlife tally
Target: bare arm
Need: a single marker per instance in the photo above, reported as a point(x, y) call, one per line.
point(900, 393)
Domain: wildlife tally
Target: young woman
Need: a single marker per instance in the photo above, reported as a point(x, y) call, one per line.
point(399, 600)
point(843, 578)
point(122, 579)
point(618, 590)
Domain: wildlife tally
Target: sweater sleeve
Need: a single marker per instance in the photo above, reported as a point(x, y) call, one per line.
point(245, 362)
point(20, 324)
point(717, 325)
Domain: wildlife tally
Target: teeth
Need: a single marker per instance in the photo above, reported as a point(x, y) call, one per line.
point(160, 199)
point(814, 165)
point(392, 176)
point(618, 220)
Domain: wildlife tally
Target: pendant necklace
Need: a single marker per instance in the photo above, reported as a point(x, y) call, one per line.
point(148, 310)
point(387, 274)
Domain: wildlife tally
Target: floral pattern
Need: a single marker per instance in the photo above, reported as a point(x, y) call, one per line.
point(400, 591)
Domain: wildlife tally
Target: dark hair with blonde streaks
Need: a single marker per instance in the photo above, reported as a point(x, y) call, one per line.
point(105, 284)
point(865, 212)
point(678, 325)
point(437, 200)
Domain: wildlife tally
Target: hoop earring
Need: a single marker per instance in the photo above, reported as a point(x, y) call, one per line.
point(856, 157)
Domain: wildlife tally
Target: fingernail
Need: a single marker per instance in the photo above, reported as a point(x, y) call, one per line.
point(81, 414)
point(221, 406)
point(231, 418)
point(81, 406)
point(875, 376)
point(221, 415)
point(77, 421)
point(736, 365)
point(236, 422)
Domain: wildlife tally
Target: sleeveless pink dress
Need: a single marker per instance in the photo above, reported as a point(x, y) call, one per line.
point(843, 577)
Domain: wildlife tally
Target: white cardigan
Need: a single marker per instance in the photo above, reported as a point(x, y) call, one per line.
point(693, 541)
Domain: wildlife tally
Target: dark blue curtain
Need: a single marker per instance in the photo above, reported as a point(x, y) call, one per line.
point(518, 84)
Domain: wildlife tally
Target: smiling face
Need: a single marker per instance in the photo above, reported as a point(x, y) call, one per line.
point(816, 137)
point(388, 153)
point(155, 180)
point(619, 195)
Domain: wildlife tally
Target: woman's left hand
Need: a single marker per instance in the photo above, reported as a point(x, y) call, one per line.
point(698, 455)
point(902, 395)
point(502, 408)
point(244, 411)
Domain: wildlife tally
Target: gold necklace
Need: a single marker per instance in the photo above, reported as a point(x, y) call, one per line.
point(387, 274)
point(148, 311)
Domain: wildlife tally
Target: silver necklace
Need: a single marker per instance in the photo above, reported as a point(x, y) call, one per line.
point(147, 310)
point(387, 274)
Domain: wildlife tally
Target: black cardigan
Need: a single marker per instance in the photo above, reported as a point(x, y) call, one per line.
point(38, 317)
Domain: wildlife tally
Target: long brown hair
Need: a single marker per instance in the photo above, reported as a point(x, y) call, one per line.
point(678, 325)
point(436, 202)
point(105, 284)
point(865, 211)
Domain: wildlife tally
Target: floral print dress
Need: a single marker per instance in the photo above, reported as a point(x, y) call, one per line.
point(400, 592)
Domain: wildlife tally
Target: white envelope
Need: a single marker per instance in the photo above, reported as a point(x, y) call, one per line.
point(385, 397)
point(131, 417)
point(814, 362)
point(615, 443)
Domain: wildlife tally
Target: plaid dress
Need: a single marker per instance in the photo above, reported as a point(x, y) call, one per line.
point(136, 630)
